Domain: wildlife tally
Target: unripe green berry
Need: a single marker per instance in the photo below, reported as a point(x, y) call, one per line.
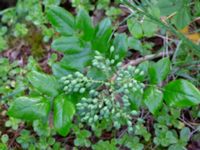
point(126, 91)
point(141, 73)
point(96, 118)
point(134, 89)
point(119, 64)
point(82, 90)
point(107, 84)
point(90, 120)
point(112, 49)
point(65, 88)
point(63, 78)
point(130, 129)
point(73, 82)
point(116, 125)
point(69, 76)
point(137, 71)
point(134, 112)
point(116, 57)
point(130, 85)
point(118, 115)
point(129, 123)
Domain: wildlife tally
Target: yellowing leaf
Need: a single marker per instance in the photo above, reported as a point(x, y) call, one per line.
point(185, 30)
point(194, 37)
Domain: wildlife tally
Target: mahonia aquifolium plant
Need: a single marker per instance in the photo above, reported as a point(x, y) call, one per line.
point(106, 100)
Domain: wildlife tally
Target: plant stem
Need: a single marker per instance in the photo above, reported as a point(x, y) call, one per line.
point(147, 57)
point(142, 59)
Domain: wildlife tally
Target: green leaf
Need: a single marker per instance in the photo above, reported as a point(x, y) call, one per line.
point(51, 2)
point(135, 28)
point(3, 44)
point(44, 83)
point(82, 138)
point(144, 66)
point(77, 55)
point(28, 108)
point(154, 11)
point(153, 99)
point(185, 135)
point(135, 44)
point(61, 20)
point(169, 7)
point(67, 44)
point(159, 71)
point(181, 93)
point(149, 28)
point(59, 70)
point(184, 14)
point(4, 138)
point(131, 142)
point(135, 100)
point(63, 114)
point(103, 33)
point(106, 145)
point(84, 23)
point(121, 45)
point(77, 61)
point(176, 147)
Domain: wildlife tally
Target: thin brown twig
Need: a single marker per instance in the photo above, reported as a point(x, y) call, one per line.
point(148, 57)
point(186, 123)
point(142, 59)
point(193, 132)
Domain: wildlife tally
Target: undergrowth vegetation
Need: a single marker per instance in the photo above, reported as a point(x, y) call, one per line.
point(104, 74)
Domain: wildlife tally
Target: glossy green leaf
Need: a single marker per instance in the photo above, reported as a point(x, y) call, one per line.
point(181, 93)
point(85, 25)
point(77, 55)
point(77, 61)
point(121, 45)
point(61, 20)
point(51, 2)
point(158, 71)
point(60, 69)
point(67, 44)
point(144, 66)
point(135, 100)
point(103, 33)
point(30, 108)
point(44, 83)
point(63, 114)
point(153, 98)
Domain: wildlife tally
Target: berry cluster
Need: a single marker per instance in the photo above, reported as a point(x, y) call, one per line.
point(76, 82)
point(101, 106)
point(101, 62)
point(109, 101)
point(126, 80)
point(105, 64)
